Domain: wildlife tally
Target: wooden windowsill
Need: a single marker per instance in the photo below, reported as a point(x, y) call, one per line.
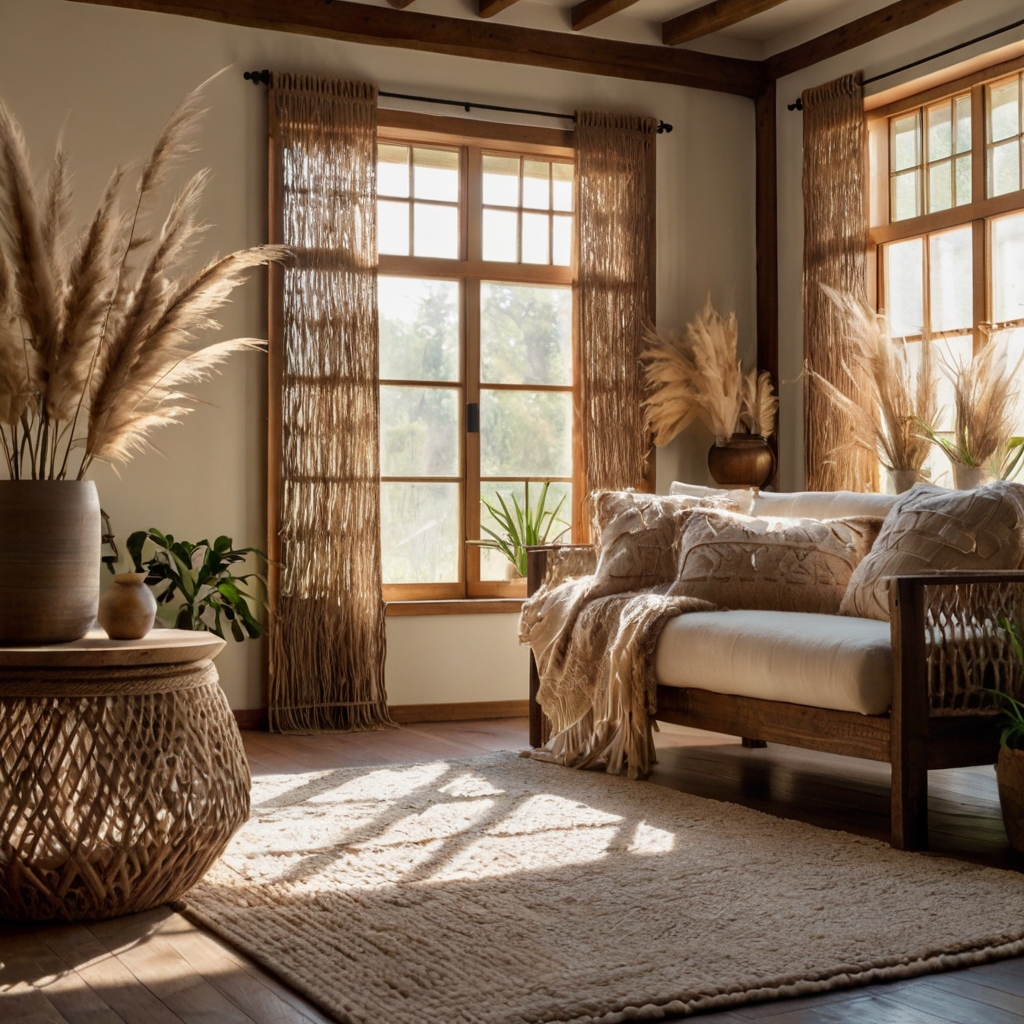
point(460, 606)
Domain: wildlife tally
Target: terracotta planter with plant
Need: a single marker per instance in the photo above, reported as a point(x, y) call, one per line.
point(96, 346)
point(699, 376)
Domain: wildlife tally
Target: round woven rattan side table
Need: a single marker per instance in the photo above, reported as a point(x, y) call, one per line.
point(122, 773)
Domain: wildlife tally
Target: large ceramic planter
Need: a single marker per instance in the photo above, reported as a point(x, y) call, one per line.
point(49, 560)
point(1010, 776)
point(742, 460)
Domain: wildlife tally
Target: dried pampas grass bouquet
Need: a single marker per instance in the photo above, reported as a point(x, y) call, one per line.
point(98, 332)
point(699, 375)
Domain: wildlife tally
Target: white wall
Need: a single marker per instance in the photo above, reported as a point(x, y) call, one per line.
point(110, 77)
point(957, 24)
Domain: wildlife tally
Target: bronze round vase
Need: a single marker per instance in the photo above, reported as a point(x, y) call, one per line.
point(49, 560)
point(742, 460)
point(1010, 776)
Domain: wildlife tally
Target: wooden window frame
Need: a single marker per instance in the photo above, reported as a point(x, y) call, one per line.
point(472, 138)
point(978, 214)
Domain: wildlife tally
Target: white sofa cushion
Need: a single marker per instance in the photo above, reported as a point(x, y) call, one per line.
point(822, 504)
point(795, 504)
point(824, 661)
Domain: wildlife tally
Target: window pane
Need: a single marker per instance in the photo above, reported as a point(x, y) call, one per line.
point(964, 184)
point(493, 563)
point(419, 532)
point(436, 231)
point(500, 235)
point(1004, 168)
point(393, 171)
point(561, 241)
point(963, 124)
point(906, 195)
point(1007, 266)
point(392, 228)
point(940, 187)
point(536, 184)
point(419, 329)
point(435, 174)
point(951, 280)
point(905, 286)
point(525, 433)
point(906, 147)
point(1003, 115)
point(561, 185)
point(535, 238)
point(950, 352)
point(940, 131)
point(525, 334)
point(419, 431)
point(501, 180)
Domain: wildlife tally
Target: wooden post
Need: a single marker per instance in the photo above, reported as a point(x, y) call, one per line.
point(909, 719)
point(536, 568)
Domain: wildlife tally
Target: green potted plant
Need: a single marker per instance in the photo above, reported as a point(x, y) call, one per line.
point(1010, 765)
point(519, 527)
point(96, 345)
point(201, 588)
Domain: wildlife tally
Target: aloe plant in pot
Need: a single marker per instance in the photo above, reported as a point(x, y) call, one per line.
point(96, 345)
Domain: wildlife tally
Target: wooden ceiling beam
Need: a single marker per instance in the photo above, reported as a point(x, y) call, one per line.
point(711, 18)
point(855, 33)
point(489, 8)
point(590, 12)
point(462, 37)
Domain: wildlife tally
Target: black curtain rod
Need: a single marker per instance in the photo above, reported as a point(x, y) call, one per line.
point(799, 104)
point(263, 78)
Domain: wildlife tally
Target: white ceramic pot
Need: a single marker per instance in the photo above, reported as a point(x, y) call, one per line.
point(966, 478)
point(903, 479)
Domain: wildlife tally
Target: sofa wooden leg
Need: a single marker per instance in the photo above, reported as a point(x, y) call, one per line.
point(909, 807)
point(753, 744)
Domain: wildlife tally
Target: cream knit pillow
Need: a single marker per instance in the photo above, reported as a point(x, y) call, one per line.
point(794, 565)
point(931, 528)
point(638, 544)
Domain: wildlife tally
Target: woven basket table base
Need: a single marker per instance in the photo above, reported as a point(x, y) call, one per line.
point(119, 787)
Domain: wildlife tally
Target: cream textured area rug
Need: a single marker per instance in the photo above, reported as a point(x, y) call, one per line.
point(498, 889)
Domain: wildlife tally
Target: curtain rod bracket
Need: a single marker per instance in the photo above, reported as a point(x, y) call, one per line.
point(798, 105)
point(258, 77)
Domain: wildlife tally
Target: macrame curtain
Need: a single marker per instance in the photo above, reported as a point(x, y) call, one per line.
point(835, 254)
point(614, 292)
point(327, 631)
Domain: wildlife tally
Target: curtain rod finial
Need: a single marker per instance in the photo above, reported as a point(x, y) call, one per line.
point(664, 128)
point(798, 105)
point(258, 77)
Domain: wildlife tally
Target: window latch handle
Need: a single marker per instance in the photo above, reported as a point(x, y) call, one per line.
point(472, 417)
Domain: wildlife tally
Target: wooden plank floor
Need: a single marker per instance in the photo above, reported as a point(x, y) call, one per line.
point(158, 968)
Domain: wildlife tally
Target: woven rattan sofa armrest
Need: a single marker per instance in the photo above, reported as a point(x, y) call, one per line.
point(538, 559)
point(967, 576)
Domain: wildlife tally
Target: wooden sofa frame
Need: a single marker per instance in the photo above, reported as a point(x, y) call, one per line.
point(911, 738)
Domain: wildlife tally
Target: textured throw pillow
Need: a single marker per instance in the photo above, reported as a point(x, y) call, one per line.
point(931, 528)
point(638, 535)
point(789, 565)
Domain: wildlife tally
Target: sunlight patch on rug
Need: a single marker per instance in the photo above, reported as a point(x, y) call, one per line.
point(502, 890)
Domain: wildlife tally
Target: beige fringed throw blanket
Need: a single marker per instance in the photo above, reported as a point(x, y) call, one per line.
point(593, 635)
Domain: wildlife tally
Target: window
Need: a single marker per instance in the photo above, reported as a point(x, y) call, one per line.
point(947, 211)
point(476, 353)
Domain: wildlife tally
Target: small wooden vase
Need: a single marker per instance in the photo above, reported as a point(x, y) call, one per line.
point(743, 460)
point(1010, 776)
point(128, 608)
